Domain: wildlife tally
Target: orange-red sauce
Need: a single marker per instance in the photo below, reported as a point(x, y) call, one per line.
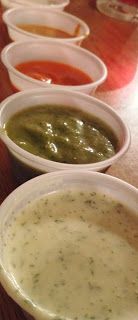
point(54, 72)
point(43, 30)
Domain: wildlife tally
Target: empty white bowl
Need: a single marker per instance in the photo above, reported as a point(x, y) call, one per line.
point(54, 4)
point(66, 22)
point(79, 101)
point(56, 51)
point(44, 185)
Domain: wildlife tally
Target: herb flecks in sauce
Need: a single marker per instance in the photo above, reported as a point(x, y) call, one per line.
point(62, 134)
point(69, 270)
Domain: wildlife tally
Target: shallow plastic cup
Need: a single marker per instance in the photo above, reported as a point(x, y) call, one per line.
point(90, 105)
point(57, 51)
point(45, 4)
point(66, 22)
point(39, 188)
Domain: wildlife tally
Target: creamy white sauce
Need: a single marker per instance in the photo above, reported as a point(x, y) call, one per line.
point(75, 255)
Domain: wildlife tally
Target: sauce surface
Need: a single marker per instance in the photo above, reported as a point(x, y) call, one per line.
point(44, 30)
point(62, 134)
point(54, 72)
point(74, 255)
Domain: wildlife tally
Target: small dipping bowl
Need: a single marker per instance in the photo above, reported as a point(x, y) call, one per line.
point(55, 51)
point(76, 28)
point(32, 165)
point(45, 4)
point(42, 186)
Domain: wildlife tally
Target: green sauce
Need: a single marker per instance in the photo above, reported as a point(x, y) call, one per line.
point(62, 134)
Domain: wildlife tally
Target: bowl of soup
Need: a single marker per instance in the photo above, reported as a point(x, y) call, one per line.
point(48, 130)
point(45, 4)
point(42, 63)
point(36, 23)
point(69, 247)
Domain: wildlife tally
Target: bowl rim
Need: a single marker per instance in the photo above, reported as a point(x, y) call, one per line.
point(26, 188)
point(55, 174)
point(71, 46)
point(39, 161)
point(7, 15)
point(58, 6)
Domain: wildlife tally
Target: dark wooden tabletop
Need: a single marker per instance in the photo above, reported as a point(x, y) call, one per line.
point(116, 42)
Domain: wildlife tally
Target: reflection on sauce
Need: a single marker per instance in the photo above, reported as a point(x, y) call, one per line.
point(74, 255)
point(62, 134)
point(45, 31)
point(54, 72)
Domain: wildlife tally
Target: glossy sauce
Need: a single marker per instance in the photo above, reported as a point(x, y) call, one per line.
point(62, 134)
point(54, 72)
point(74, 255)
point(43, 30)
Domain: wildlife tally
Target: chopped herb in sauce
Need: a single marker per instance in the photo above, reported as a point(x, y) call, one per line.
point(62, 134)
point(80, 261)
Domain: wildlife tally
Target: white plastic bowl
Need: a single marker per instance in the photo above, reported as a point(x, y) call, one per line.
point(40, 187)
point(90, 105)
point(45, 4)
point(51, 18)
point(52, 50)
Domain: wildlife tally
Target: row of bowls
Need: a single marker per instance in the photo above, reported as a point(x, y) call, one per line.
point(69, 176)
point(57, 49)
point(28, 47)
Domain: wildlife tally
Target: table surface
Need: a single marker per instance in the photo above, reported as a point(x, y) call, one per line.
point(116, 42)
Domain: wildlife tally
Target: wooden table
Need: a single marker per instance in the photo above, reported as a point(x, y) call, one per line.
point(116, 43)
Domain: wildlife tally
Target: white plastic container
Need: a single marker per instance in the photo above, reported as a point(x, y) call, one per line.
point(90, 105)
point(52, 50)
point(45, 17)
point(45, 4)
point(46, 184)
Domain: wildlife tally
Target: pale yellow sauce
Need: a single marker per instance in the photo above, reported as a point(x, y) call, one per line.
point(43, 30)
point(75, 256)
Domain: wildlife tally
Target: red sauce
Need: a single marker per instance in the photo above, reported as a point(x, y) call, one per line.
point(54, 72)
